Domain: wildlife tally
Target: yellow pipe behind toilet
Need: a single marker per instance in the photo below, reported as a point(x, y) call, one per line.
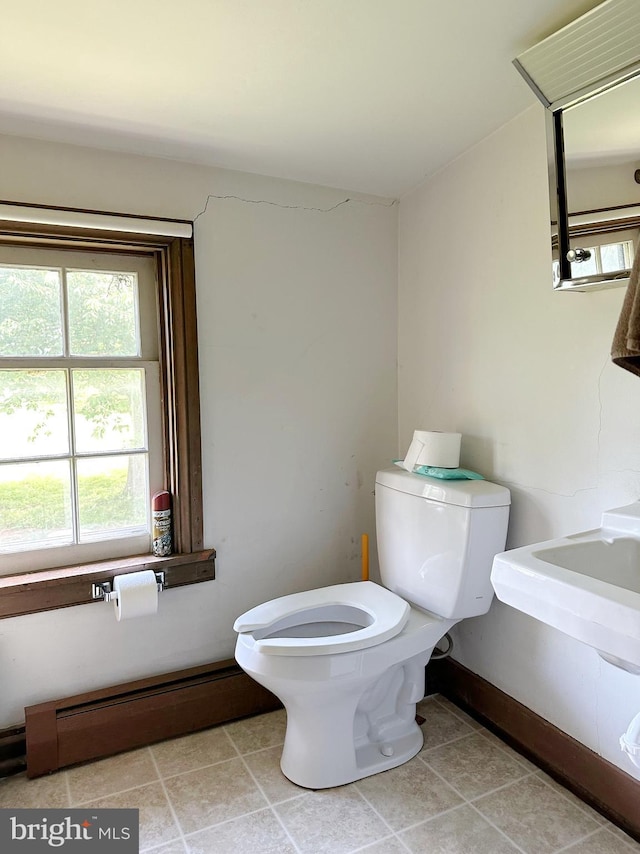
point(365, 557)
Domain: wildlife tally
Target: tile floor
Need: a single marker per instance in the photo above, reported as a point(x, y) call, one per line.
point(221, 792)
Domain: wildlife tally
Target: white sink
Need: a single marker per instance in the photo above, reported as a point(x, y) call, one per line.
point(587, 585)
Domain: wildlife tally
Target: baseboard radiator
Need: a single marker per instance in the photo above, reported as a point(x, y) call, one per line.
point(596, 781)
point(13, 750)
point(102, 723)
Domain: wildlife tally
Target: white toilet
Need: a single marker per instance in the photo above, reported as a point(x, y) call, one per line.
point(348, 661)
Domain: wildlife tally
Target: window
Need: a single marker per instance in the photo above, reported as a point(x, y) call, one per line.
point(117, 242)
point(81, 448)
point(600, 258)
point(605, 241)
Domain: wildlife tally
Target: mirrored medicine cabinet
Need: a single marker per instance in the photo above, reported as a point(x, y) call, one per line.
point(587, 75)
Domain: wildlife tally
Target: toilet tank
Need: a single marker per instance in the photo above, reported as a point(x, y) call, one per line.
point(437, 540)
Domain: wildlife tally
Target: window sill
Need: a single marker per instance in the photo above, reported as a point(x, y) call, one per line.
point(47, 590)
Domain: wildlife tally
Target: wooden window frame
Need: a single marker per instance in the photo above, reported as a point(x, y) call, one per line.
point(43, 590)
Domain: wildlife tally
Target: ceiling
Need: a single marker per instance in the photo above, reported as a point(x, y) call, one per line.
point(367, 95)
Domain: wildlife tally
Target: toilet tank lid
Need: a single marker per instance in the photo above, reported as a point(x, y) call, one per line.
point(464, 493)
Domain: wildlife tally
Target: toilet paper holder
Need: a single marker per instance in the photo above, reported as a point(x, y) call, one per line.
point(104, 589)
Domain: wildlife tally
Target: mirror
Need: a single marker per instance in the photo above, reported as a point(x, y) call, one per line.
point(588, 77)
point(601, 158)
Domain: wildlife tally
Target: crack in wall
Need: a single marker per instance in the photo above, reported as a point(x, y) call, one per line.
point(346, 201)
point(598, 453)
point(547, 491)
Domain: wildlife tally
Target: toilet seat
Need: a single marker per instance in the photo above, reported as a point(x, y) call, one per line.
point(376, 613)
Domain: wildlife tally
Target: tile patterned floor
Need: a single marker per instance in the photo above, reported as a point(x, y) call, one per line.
point(221, 792)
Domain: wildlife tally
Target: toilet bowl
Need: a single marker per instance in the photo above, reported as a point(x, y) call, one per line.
point(350, 696)
point(348, 661)
point(341, 618)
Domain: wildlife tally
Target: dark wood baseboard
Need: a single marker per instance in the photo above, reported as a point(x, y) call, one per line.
point(101, 723)
point(596, 781)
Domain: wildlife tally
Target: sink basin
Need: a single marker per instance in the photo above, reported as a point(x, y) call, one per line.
point(586, 585)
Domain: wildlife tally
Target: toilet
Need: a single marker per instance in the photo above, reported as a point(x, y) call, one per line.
point(348, 661)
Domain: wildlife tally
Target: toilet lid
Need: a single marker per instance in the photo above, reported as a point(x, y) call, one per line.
point(382, 613)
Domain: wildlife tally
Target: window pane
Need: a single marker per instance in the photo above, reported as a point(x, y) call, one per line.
point(612, 256)
point(33, 414)
point(112, 494)
point(109, 409)
point(30, 315)
point(35, 505)
point(103, 313)
point(588, 267)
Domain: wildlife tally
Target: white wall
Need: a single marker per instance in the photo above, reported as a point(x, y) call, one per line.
point(602, 186)
point(486, 348)
point(297, 345)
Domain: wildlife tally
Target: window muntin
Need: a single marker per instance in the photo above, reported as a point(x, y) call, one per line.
point(81, 444)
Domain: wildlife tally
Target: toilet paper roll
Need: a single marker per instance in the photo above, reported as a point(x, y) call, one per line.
point(137, 594)
point(433, 448)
